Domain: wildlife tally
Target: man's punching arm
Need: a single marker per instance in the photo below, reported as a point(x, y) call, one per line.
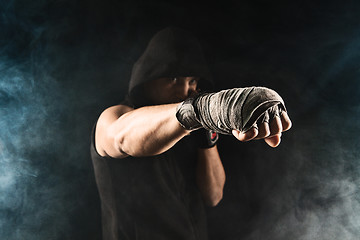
point(123, 131)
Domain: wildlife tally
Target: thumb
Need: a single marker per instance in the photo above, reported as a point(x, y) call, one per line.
point(273, 141)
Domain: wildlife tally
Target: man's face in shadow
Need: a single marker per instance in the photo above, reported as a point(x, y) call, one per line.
point(171, 90)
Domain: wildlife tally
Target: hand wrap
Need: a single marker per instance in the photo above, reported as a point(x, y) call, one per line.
point(224, 111)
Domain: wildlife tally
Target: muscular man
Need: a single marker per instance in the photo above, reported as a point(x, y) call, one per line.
point(155, 156)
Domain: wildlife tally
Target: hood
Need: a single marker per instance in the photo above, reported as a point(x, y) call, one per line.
point(172, 52)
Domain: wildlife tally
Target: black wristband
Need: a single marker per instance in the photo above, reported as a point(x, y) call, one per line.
point(205, 138)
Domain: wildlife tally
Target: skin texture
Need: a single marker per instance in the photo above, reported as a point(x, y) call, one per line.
point(122, 131)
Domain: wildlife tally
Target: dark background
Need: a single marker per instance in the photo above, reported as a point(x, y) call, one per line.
point(63, 62)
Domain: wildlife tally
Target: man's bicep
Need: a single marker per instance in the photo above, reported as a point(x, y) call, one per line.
point(105, 131)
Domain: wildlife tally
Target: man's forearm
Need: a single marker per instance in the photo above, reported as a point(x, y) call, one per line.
point(210, 175)
point(147, 131)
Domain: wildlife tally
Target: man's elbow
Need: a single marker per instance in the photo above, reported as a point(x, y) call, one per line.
point(119, 146)
point(125, 146)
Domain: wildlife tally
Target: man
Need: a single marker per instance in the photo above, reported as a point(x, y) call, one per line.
point(155, 156)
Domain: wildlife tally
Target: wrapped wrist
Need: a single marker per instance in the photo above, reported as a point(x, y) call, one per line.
point(186, 115)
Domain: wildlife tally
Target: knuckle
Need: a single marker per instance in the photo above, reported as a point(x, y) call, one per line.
point(276, 125)
point(263, 131)
point(267, 132)
point(251, 133)
point(276, 129)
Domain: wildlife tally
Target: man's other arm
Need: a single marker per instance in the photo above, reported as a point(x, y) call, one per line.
point(210, 175)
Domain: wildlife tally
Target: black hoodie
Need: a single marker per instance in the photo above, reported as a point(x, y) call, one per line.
point(172, 52)
point(155, 197)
